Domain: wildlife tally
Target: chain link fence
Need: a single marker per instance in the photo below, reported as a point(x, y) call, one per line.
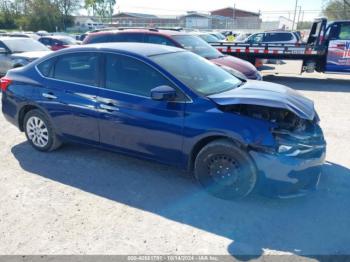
point(192, 22)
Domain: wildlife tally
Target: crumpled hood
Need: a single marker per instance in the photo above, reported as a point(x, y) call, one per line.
point(238, 64)
point(31, 55)
point(270, 95)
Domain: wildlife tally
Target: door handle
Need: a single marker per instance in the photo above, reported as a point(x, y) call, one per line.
point(109, 107)
point(49, 96)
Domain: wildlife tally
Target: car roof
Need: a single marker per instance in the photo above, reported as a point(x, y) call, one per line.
point(199, 33)
point(141, 30)
point(143, 49)
point(57, 36)
point(12, 38)
point(279, 32)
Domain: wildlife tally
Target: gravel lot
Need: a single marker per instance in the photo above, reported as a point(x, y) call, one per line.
point(80, 200)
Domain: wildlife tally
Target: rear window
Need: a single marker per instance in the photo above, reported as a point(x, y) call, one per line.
point(121, 37)
point(94, 39)
point(24, 45)
point(197, 45)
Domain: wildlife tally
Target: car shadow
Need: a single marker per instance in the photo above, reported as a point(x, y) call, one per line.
point(311, 84)
point(312, 225)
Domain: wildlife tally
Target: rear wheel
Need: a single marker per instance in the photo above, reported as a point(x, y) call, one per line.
point(39, 131)
point(225, 170)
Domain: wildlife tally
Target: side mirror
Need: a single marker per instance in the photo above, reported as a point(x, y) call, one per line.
point(163, 93)
point(3, 50)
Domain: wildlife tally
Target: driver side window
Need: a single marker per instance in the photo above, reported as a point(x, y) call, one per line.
point(128, 75)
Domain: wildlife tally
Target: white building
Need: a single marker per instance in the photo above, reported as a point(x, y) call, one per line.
point(283, 23)
point(86, 23)
point(196, 20)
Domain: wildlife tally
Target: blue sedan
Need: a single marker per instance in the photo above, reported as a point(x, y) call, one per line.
point(169, 105)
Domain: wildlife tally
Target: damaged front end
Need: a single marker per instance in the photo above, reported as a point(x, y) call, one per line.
point(293, 165)
point(290, 163)
point(294, 136)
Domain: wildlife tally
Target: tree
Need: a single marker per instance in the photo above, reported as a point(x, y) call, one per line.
point(337, 9)
point(43, 15)
point(9, 12)
point(67, 8)
point(101, 8)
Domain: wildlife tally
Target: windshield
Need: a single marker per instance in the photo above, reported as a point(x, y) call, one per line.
point(219, 36)
point(197, 73)
point(198, 46)
point(24, 45)
point(209, 38)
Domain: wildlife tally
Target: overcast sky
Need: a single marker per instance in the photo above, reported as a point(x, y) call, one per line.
point(173, 7)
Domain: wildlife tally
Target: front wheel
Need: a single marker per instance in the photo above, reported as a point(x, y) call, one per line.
point(39, 131)
point(225, 170)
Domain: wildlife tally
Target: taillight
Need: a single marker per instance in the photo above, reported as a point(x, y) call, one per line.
point(4, 83)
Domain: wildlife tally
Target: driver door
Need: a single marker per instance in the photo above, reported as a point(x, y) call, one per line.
point(130, 120)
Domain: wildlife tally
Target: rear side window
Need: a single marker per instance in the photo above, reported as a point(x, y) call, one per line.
point(46, 67)
point(98, 39)
point(125, 37)
point(77, 68)
point(158, 39)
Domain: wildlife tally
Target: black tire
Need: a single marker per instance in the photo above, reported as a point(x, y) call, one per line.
point(225, 170)
point(52, 142)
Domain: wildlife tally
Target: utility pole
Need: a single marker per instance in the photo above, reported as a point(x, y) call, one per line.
point(295, 13)
point(298, 17)
point(302, 17)
point(234, 15)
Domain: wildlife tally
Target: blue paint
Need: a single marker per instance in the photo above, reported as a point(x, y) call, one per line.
point(163, 131)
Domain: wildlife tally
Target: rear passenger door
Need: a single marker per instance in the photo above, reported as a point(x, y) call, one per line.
point(69, 94)
point(130, 120)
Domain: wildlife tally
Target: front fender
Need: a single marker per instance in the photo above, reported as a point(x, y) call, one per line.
point(213, 123)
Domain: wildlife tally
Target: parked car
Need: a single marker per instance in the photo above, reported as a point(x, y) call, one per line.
point(24, 35)
point(177, 39)
point(3, 33)
point(42, 33)
point(17, 52)
point(242, 37)
point(57, 42)
point(209, 38)
point(218, 35)
point(279, 37)
point(172, 106)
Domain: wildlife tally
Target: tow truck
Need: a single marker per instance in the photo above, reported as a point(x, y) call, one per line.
point(327, 49)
